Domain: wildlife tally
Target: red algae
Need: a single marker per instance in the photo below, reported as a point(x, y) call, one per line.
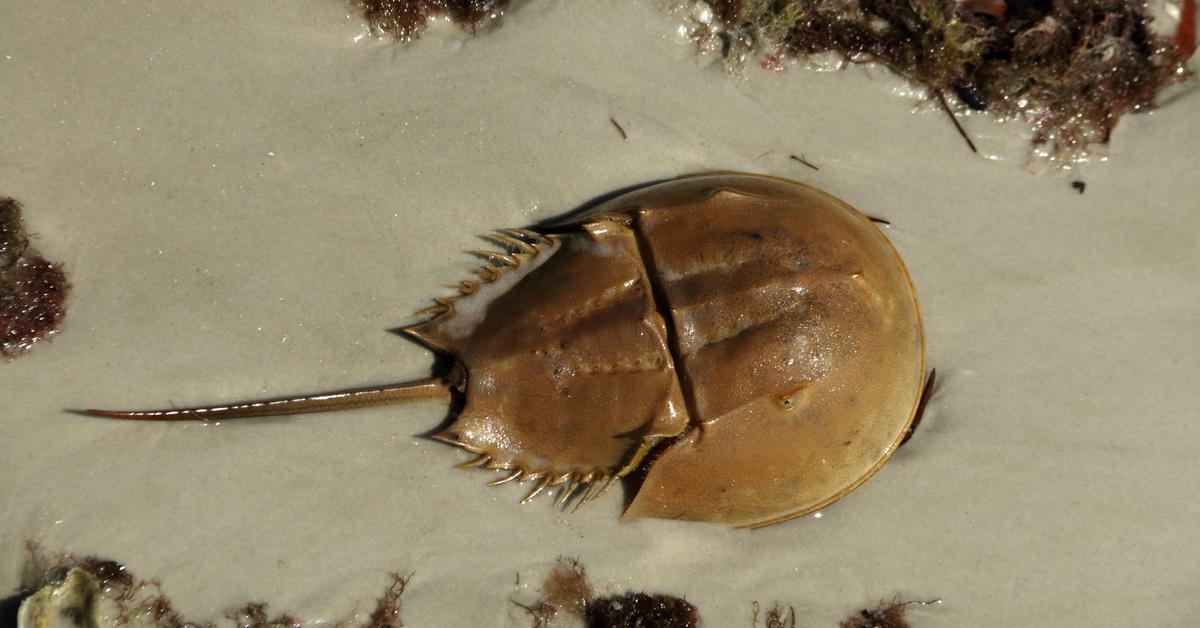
point(884, 615)
point(567, 587)
point(254, 615)
point(33, 291)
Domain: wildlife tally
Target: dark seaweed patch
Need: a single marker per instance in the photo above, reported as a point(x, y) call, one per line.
point(641, 610)
point(885, 615)
point(567, 589)
point(143, 602)
point(33, 291)
point(1071, 68)
point(405, 19)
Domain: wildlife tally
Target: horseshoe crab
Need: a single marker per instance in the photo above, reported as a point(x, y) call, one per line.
point(750, 345)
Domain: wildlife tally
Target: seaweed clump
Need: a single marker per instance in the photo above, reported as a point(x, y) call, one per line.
point(33, 291)
point(885, 615)
point(405, 19)
point(641, 610)
point(776, 617)
point(1071, 68)
point(387, 607)
point(135, 601)
point(109, 586)
point(567, 589)
point(254, 615)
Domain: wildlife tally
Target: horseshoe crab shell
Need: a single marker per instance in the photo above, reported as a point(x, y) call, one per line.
point(751, 346)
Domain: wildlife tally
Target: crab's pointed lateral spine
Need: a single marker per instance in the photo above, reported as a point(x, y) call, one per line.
point(517, 248)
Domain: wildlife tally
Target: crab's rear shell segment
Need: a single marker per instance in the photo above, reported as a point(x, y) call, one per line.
point(761, 336)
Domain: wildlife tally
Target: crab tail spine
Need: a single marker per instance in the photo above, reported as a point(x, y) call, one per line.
point(433, 389)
